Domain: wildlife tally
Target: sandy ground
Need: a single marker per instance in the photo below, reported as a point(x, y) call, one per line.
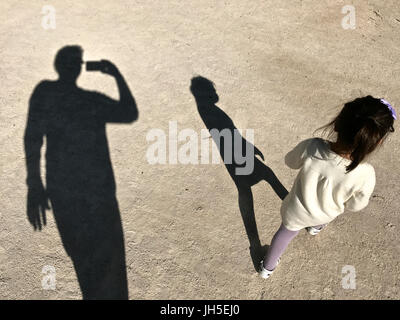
point(281, 69)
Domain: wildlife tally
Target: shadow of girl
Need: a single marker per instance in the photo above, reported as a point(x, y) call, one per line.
point(213, 117)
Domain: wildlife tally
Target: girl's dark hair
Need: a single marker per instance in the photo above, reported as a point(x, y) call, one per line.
point(360, 126)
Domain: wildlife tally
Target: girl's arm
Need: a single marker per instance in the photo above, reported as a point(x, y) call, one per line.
point(360, 199)
point(295, 158)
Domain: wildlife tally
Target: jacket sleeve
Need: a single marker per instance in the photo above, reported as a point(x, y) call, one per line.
point(294, 159)
point(360, 199)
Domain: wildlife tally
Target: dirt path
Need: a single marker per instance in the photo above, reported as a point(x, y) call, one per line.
point(282, 70)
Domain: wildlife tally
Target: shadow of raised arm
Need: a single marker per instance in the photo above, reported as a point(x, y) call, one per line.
point(125, 109)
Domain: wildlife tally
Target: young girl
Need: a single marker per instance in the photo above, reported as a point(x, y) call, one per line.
point(333, 176)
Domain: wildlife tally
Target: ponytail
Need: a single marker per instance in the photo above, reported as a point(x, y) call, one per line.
point(365, 141)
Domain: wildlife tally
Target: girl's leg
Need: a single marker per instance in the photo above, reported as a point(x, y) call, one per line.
point(278, 245)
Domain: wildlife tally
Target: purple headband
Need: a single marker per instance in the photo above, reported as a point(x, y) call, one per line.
point(390, 108)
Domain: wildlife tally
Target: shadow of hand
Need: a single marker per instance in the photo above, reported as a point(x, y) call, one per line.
point(109, 68)
point(257, 152)
point(37, 205)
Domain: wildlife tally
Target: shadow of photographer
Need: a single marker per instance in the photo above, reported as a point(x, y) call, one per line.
point(80, 181)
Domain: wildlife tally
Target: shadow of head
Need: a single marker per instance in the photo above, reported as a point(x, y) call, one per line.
point(203, 90)
point(68, 63)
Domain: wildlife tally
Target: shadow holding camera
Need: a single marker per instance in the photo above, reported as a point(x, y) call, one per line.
point(213, 117)
point(80, 181)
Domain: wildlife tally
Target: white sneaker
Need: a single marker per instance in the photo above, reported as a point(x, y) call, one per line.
point(313, 231)
point(264, 273)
